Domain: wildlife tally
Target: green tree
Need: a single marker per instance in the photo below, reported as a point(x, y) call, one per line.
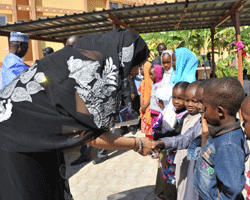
point(198, 39)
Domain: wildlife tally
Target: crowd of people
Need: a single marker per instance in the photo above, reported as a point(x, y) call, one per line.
point(71, 97)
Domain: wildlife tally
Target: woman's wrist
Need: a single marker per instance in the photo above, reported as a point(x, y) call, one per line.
point(138, 145)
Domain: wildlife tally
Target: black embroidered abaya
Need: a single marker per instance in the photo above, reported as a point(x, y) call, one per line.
point(46, 108)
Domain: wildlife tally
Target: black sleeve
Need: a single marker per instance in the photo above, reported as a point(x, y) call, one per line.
point(132, 86)
point(178, 126)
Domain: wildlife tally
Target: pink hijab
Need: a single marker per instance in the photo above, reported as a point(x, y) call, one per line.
point(158, 73)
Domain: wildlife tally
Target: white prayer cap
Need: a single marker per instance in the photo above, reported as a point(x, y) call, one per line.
point(19, 37)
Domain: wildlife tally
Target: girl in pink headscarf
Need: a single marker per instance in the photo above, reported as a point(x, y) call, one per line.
point(156, 75)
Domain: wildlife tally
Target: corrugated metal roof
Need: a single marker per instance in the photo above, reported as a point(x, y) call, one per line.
point(144, 19)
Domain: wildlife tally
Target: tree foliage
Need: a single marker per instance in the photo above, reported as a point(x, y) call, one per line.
point(198, 39)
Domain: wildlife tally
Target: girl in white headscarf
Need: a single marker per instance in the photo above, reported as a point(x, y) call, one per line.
point(165, 92)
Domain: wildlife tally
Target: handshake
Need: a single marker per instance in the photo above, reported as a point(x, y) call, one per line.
point(149, 146)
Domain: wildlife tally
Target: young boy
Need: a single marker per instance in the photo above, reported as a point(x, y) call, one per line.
point(245, 112)
point(219, 170)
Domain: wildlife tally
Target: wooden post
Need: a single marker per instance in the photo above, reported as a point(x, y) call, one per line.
point(36, 55)
point(115, 26)
point(119, 23)
point(14, 11)
point(213, 63)
point(238, 39)
point(107, 5)
point(85, 5)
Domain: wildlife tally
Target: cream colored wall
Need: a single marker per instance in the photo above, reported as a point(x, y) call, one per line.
point(4, 45)
point(5, 1)
point(4, 40)
point(96, 5)
point(66, 4)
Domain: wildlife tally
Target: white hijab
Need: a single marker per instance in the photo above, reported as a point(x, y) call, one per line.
point(167, 74)
point(165, 92)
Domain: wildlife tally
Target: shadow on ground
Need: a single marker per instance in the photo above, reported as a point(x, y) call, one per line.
point(140, 193)
point(73, 154)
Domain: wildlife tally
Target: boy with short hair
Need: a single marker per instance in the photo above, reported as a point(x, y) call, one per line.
point(245, 112)
point(219, 171)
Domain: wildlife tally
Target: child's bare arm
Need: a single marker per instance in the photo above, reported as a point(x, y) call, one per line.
point(144, 107)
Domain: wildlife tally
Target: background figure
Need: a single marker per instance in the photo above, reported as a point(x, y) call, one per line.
point(145, 91)
point(156, 76)
point(245, 75)
point(135, 83)
point(13, 63)
point(164, 93)
point(126, 100)
point(184, 63)
point(72, 40)
point(209, 63)
point(47, 51)
point(160, 48)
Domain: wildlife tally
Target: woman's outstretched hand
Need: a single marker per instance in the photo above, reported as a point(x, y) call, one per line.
point(147, 146)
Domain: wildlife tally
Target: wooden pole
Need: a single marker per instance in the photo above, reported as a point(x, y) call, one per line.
point(235, 8)
point(107, 5)
point(212, 36)
point(238, 39)
point(119, 22)
point(36, 55)
point(115, 26)
point(85, 5)
point(14, 11)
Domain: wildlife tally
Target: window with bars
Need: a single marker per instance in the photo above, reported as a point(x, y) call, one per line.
point(126, 5)
point(3, 20)
point(113, 5)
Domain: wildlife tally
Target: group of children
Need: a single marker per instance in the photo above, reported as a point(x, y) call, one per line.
point(198, 139)
point(204, 155)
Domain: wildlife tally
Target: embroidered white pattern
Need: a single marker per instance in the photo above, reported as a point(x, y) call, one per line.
point(84, 73)
point(18, 94)
point(127, 54)
point(25, 77)
point(8, 89)
point(33, 87)
point(40, 77)
point(5, 111)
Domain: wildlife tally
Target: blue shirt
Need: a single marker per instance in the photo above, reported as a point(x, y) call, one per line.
point(12, 66)
point(221, 165)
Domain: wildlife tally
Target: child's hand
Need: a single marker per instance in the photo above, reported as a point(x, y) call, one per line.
point(205, 131)
point(132, 96)
point(161, 104)
point(158, 145)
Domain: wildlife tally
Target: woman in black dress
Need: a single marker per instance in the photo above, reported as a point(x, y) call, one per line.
point(66, 99)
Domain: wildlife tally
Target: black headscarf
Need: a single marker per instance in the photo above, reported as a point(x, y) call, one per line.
point(42, 109)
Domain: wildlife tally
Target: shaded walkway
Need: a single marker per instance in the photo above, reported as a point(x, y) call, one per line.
point(125, 175)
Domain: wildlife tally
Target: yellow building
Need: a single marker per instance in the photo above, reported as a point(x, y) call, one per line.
point(25, 10)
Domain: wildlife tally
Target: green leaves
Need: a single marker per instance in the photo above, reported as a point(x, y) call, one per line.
point(199, 41)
